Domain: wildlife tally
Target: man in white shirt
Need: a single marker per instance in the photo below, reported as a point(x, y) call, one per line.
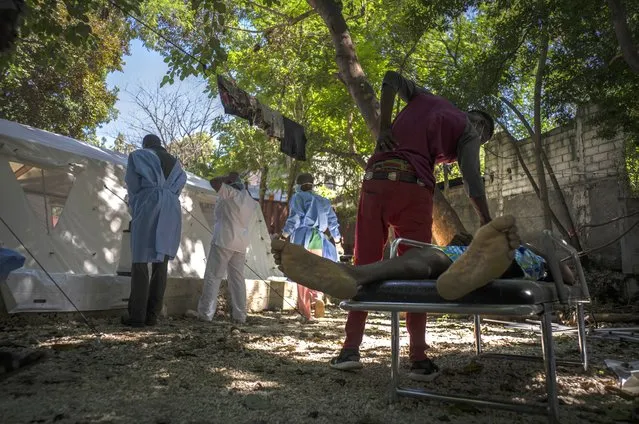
point(234, 212)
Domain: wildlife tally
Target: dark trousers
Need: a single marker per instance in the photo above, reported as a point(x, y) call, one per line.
point(145, 301)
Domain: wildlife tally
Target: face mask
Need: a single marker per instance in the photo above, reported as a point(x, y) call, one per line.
point(297, 188)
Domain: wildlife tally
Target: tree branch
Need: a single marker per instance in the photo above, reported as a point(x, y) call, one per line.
point(624, 36)
point(350, 69)
point(268, 9)
point(541, 175)
point(520, 115)
point(571, 233)
point(534, 185)
point(354, 156)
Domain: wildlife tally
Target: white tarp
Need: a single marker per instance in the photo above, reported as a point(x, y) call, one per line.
point(84, 246)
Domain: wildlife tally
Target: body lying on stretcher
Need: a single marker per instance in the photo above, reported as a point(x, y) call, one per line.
point(495, 252)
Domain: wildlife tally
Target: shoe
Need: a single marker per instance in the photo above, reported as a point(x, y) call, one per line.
point(347, 360)
point(424, 370)
point(126, 320)
point(319, 308)
point(190, 313)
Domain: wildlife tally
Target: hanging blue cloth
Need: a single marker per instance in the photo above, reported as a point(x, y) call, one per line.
point(154, 201)
point(309, 213)
point(10, 260)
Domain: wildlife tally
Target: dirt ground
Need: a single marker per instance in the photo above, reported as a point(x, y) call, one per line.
point(274, 370)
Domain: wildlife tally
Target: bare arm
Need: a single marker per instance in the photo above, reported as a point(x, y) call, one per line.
point(468, 158)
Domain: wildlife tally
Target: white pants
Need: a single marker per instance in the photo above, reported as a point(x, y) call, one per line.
point(220, 262)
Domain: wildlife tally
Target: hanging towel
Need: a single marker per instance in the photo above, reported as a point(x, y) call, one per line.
point(294, 141)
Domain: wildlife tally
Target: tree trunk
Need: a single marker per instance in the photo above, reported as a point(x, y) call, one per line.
point(624, 36)
point(445, 220)
point(350, 70)
point(263, 177)
point(295, 167)
point(569, 234)
point(572, 232)
point(541, 175)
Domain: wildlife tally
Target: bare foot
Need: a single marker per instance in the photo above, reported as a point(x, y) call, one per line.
point(313, 271)
point(489, 255)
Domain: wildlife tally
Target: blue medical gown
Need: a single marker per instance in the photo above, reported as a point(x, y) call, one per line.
point(10, 260)
point(154, 202)
point(307, 211)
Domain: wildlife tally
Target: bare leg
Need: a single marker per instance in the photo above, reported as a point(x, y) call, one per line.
point(341, 280)
point(488, 256)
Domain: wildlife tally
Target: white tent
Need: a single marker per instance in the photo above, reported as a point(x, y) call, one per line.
point(64, 199)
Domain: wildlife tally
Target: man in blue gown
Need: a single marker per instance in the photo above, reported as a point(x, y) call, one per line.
point(310, 215)
point(154, 180)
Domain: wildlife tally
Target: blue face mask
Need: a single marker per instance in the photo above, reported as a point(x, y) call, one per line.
point(297, 188)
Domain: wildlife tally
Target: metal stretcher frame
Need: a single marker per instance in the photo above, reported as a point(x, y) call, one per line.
point(542, 310)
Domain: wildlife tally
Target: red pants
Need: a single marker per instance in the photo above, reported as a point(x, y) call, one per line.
point(408, 208)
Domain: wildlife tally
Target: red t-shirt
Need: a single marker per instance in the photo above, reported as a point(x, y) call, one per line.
point(426, 132)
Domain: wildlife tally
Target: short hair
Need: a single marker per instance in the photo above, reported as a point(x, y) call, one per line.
point(305, 178)
point(487, 118)
point(151, 140)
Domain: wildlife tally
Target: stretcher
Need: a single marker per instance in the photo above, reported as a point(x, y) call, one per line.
point(517, 298)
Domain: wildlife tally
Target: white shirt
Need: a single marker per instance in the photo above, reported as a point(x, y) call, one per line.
point(234, 213)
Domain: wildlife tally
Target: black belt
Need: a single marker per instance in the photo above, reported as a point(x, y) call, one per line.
point(393, 176)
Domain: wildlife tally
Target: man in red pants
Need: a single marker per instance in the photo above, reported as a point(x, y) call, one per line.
point(398, 191)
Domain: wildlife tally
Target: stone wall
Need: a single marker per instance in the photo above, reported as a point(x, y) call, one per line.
point(591, 172)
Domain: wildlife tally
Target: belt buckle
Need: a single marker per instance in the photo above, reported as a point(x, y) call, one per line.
point(420, 183)
point(368, 175)
point(392, 176)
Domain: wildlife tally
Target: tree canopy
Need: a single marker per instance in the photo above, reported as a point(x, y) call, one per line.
point(321, 62)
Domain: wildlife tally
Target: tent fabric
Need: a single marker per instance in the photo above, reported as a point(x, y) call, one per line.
point(32, 145)
point(87, 241)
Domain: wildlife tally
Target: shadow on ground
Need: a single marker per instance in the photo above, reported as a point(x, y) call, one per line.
point(274, 370)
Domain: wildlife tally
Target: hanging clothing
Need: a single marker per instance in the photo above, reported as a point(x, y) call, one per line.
point(310, 215)
point(272, 122)
point(239, 103)
point(156, 224)
point(294, 142)
point(235, 101)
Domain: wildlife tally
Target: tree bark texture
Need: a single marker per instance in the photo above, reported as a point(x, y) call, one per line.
point(292, 176)
point(263, 178)
point(624, 37)
point(541, 174)
point(445, 220)
point(350, 70)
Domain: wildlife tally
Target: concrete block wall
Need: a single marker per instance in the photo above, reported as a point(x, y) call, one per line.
point(589, 169)
point(576, 154)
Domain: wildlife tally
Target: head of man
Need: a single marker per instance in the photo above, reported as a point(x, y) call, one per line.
point(151, 140)
point(305, 181)
point(232, 179)
point(483, 123)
